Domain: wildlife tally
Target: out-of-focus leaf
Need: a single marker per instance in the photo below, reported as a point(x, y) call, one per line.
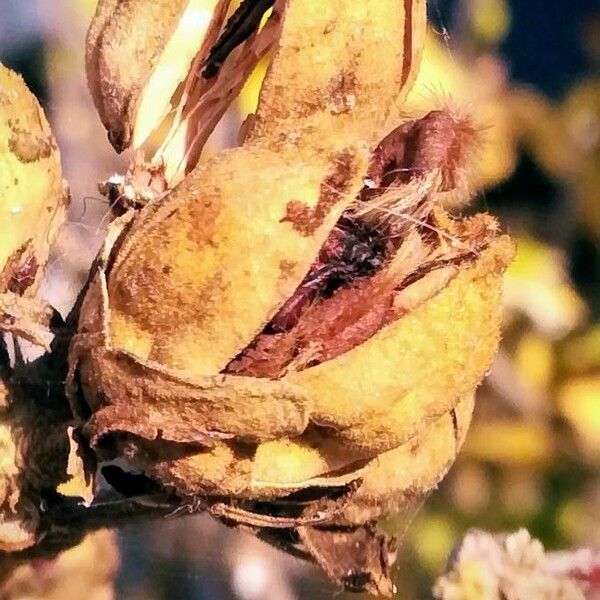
point(471, 487)
point(521, 492)
point(85, 571)
point(534, 358)
point(509, 443)
point(565, 141)
point(490, 19)
point(433, 537)
point(579, 403)
point(581, 116)
point(537, 285)
point(583, 352)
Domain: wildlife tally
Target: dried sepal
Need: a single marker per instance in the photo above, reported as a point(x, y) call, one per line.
point(334, 525)
point(419, 365)
point(138, 53)
point(357, 60)
point(395, 479)
point(291, 338)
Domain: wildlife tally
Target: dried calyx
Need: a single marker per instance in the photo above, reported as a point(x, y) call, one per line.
point(292, 336)
point(171, 67)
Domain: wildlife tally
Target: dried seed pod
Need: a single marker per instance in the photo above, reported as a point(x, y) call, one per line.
point(316, 167)
point(32, 207)
point(32, 204)
point(295, 332)
point(137, 54)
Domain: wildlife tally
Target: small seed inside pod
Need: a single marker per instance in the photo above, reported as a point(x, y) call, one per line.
point(240, 27)
point(375, 251)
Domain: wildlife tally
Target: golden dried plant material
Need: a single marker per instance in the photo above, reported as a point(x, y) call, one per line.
point(220, 310)
point(349, 54)
point(138, 53)
point(385, 483)
point(291, 338)
point(397, 477)
point(336, 389)
point(450, 337)
point(32, 205)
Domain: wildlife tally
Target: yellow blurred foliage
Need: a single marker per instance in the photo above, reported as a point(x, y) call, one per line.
point(83, 571)
point(537, 285)
point(534, 359)
point(579, 402)
point(509, 443)
point(433, 537)
point(583, 352)
point(580, 113)
point(564, 140)
point(490, 19)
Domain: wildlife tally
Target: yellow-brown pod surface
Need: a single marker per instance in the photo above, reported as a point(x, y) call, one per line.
point(300, 315)
point(32, 202)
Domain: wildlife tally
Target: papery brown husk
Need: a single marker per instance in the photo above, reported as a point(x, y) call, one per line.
point(323, 445)
point(441, 347)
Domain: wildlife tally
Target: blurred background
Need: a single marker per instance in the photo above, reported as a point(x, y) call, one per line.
point(528, 70)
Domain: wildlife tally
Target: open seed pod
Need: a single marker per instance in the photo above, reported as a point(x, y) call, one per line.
point(32, 207)
point(292, 337)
